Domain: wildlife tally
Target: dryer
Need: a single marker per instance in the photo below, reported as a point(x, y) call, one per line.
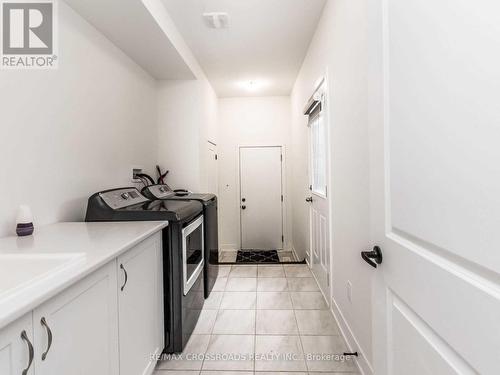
point(210, 215)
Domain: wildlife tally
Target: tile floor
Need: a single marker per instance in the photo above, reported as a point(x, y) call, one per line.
point(261, 320)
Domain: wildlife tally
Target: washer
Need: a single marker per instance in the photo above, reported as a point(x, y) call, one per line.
point(209, 202)
point(183, 253)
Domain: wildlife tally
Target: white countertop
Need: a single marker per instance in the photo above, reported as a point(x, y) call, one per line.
point(90, 245)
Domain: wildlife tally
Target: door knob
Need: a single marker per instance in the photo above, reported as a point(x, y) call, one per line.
point(373, 257)
point(309, 199)
point(243, 207)
point(243, 199)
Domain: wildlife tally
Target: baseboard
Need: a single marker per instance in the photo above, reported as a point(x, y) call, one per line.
point(152, 364)
point(363, 365)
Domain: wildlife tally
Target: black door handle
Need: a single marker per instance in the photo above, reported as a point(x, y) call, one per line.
point(243, 207)
point(373, 257)
point(310, 199)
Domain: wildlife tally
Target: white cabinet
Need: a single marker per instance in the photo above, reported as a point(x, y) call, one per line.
point(16, 342)
point(140, 301)
point(109, 323)
point(78, 329)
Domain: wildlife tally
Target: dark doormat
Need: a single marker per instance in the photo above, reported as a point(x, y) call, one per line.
point(257, 256)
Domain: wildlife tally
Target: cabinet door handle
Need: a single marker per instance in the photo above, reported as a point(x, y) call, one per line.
point(43, 322)
point(25, 338)
point(126, 277)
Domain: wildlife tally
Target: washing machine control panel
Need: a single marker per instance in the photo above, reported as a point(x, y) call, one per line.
point(121, 198)
point(161, 191)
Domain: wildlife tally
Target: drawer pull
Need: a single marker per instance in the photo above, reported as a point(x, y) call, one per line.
point(43, 322)
point(126, 277)
point(24, 336)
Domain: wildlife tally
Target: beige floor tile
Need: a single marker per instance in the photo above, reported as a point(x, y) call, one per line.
point(227, 373)
point(230, 352)
point(274, 301)
point(272, 284)
point(243, 271)
point(270, 271)
point(224, 271)
point(205, 322)
point(280, 373)
point(238, 300)
point(220, 284)
point(276, 322)
point(302, 284)
point(325, 353)
point(316, 322)
point(213, 300)
point(279, 353)
point(308, 301)
point(241, 284)
point(228, 257)
point(191, 357)
point(286, 256)
point(301, 270)
point(235, 322)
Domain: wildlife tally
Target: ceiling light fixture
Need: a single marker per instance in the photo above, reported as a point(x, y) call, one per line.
point(253, 85)
point(216, 20)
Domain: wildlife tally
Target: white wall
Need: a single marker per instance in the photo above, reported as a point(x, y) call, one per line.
point(340, 47)
point(187, 115)
point(73, 131)
point(260, 121)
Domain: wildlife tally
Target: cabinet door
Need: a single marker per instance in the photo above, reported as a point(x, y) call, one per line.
point(78, 329)
point(14, 349)
point(140, 307)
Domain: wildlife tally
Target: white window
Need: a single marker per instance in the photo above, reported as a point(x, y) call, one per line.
point(319, 151)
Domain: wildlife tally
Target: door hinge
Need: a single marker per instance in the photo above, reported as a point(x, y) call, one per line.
point(281, 157)
point(282, 238)
point(282, 197)
point(310, 187)
point(216, 157)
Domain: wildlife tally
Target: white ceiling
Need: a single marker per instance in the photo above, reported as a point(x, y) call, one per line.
point(265, 43)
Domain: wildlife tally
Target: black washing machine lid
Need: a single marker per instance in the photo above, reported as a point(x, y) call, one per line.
point(128, 204)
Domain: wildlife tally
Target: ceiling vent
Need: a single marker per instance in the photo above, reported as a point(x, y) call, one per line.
point(216, 20)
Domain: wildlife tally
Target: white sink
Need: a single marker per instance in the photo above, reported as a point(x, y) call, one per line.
point(22, 270)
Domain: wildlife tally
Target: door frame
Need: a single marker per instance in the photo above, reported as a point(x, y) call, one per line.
point(323, 80)
point(283, 190)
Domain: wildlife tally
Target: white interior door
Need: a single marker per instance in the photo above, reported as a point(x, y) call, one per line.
point(319, 200)
point(261, 198)
point(212, 171)
point(436, 180)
